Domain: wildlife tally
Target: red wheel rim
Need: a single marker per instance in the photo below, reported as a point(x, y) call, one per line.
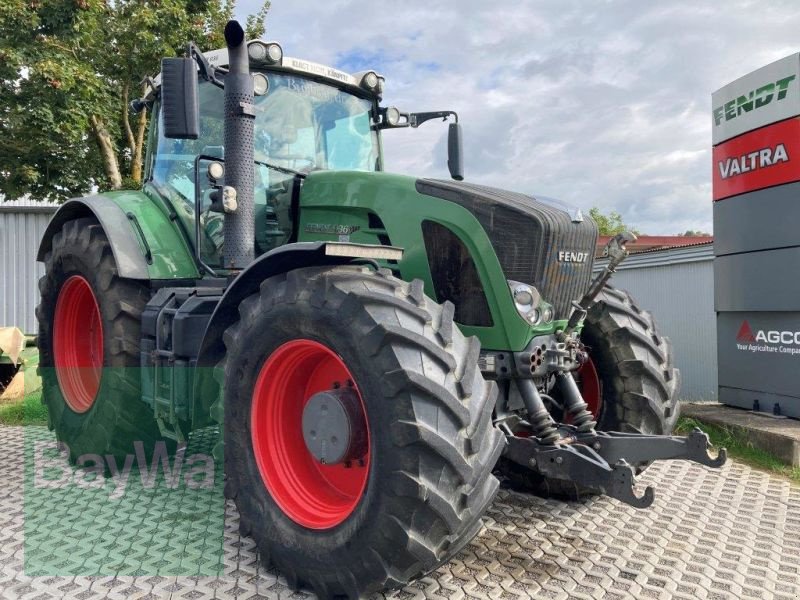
point(313, 495)
point(589, 384)
point(78, 343)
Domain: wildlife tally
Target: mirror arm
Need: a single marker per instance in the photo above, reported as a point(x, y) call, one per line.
point(417, 119)
point(146, 101)
point(207, 72)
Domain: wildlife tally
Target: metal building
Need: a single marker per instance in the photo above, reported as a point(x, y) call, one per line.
point(22, 223)
point(677, 286)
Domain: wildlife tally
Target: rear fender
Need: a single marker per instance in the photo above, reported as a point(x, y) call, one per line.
point(280, 260)
point(145, 242)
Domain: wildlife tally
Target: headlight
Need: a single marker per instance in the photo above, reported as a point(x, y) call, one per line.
point(392, 116)
point(547, 313)
point(529, 304)
point(526, 299)
point(274, 53)
point(257, 51)
point(216, 171)
point(370, 80)
point(523, 296)
point(260, 52)
point(260, 84)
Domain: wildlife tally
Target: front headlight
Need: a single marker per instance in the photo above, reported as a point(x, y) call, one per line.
point(547, 312)
point(529, 303)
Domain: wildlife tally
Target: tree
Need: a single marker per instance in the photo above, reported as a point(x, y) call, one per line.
point(610, 224)
point(695, 233)
point(68, 71)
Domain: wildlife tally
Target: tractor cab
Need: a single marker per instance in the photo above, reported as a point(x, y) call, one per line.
point(308, 117)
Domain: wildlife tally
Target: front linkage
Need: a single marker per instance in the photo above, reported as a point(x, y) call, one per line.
point(602, 460)
point(597, 460)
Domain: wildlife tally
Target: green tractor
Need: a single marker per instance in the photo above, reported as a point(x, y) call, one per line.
point(373, 347)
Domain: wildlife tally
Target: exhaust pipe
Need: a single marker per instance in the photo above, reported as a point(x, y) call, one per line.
point(239, 166)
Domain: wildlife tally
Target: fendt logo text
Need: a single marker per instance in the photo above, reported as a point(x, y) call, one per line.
point(754, 99)
point(765, 157)
point(572, 257)
point(781, 342)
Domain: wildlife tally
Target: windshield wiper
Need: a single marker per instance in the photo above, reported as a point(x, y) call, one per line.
point(286, 170)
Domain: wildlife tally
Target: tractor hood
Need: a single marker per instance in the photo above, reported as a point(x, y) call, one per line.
point(464, 241)
point(538, 241)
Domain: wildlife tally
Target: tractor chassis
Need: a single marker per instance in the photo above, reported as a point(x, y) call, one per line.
point(604, 460)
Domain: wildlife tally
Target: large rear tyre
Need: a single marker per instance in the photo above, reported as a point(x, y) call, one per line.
point(412, 492)
point(89, 324)
point(630, 384)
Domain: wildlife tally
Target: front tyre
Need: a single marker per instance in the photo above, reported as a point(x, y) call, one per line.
point(358, 437)
point(637, 383)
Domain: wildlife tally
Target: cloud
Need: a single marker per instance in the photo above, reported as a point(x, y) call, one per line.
point(597, 103)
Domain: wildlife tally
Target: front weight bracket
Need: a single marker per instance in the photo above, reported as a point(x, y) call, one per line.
point(602, 460)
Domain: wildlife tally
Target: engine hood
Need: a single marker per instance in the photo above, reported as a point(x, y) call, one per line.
point(540, 241)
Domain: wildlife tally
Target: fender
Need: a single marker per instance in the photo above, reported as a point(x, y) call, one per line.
point(146, 244)
point(280, 260)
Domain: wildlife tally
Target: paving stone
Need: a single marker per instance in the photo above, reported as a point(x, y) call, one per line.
point(729, 533)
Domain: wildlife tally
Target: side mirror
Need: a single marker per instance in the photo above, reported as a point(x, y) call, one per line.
point(455, 154)
point(180, 104)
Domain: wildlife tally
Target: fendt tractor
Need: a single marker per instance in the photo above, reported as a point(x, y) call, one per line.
point(374, 348)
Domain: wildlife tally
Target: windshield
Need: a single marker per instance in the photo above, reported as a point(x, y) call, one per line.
point(300, 124)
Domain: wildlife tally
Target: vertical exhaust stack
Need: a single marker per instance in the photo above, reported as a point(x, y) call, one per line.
point(239, 167)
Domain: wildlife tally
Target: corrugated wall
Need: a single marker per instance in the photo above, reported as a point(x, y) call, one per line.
point(21, 228)
point(677, 286)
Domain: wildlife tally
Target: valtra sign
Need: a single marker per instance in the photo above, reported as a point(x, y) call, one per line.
point(763, 158)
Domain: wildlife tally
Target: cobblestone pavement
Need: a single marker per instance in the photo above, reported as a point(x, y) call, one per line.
point(729, 533)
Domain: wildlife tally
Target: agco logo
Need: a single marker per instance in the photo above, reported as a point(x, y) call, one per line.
point(746, 336)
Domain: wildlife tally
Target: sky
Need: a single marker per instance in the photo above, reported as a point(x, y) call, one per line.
point(603, 104)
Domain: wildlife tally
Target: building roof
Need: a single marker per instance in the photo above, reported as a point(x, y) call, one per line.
point(25, 204)
point(661, 257)
point(649, 243)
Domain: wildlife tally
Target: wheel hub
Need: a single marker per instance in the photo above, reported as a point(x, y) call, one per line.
point(333, 427)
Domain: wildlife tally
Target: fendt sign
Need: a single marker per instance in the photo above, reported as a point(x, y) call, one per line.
point(763, 97)
point(756, 131)
point(753, 100)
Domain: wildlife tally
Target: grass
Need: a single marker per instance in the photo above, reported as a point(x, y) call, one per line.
point(28, 411)
point(740, 448)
